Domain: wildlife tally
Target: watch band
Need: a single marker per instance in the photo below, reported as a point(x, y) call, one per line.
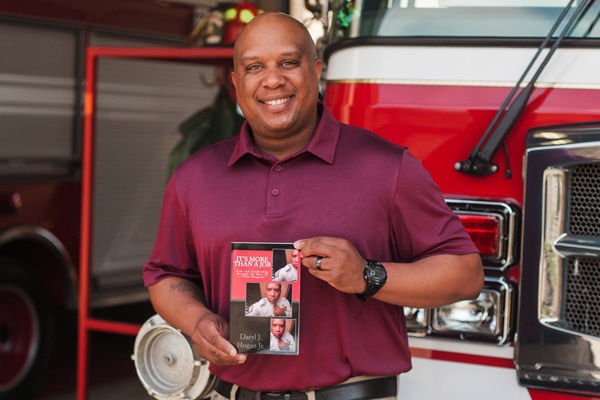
point(373, 284)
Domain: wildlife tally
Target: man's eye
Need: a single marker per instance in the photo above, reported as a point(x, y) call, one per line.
point(253, 67)
point(289, 63)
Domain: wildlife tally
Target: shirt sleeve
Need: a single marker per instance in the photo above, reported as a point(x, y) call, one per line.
point(254, 310)
point(173, 254)
point(425, 225)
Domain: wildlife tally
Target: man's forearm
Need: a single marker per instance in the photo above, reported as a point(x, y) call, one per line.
point(179, 302)
point(433, 281)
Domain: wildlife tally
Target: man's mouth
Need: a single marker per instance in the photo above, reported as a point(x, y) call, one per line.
point(278, 101)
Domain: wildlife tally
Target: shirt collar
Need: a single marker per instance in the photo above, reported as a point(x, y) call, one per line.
point(322, 144)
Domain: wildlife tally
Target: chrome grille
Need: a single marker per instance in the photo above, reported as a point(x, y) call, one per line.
point(582, 300)
point(584, 200)
point(559, 308)
point(582, 297)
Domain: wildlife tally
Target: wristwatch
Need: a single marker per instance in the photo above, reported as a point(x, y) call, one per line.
point(376, 276)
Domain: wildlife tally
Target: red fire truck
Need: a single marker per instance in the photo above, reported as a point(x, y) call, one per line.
point(500, 100)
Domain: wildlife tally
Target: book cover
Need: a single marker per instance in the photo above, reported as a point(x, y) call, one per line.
point(265, 298)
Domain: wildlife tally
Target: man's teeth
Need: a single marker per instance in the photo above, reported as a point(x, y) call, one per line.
point(277, 102)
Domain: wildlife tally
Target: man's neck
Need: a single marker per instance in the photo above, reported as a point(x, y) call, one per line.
point(279, 149)
point(288, 144)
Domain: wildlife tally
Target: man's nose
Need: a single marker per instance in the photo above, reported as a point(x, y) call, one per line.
point(273, 78)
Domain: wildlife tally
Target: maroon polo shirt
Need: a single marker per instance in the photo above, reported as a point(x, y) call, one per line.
point(347, 183)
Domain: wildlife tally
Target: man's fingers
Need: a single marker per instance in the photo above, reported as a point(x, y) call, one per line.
point(221, 352)
point(318, 246)
point(211, 344)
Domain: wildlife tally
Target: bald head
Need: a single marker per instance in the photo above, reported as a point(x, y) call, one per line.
point(283, 24)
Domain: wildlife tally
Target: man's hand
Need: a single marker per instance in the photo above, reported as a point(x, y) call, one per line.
point(279, 311)
point(181, 303)
point(210, 343)
point(282, 345)
point(341, 264)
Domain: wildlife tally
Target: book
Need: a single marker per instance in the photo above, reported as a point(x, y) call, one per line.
point(265, 298)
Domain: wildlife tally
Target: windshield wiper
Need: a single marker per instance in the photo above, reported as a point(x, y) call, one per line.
point(480, 159)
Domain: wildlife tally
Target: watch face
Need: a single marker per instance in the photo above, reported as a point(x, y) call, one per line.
point(376, 274)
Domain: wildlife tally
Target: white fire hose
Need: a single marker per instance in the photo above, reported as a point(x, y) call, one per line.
point(167, 365)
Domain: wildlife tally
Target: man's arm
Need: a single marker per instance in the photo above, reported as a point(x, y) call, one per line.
point(427, 283)
point(181, 303)
point(433, 281)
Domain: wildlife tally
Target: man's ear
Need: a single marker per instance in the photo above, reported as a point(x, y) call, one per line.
point(318, 68)
point(233, 78)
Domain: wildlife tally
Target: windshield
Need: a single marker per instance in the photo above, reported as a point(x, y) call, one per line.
point(457, 18)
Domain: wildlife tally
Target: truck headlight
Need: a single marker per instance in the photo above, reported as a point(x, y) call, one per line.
point(485, 318)
point(417, 320)
point(478, 316)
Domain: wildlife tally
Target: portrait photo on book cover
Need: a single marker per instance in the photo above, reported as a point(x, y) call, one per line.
point(285, 265)
point(283, 335)
point(271, 299)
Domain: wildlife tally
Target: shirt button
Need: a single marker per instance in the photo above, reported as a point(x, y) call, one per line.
point(275, 192)
point(278, 168)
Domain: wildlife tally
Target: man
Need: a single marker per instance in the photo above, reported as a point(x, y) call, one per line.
point(280, 339)
point(289, 273)
point(343, 196)
point(272, 304)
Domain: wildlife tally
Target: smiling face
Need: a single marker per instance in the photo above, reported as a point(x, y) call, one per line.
point(276, 76)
